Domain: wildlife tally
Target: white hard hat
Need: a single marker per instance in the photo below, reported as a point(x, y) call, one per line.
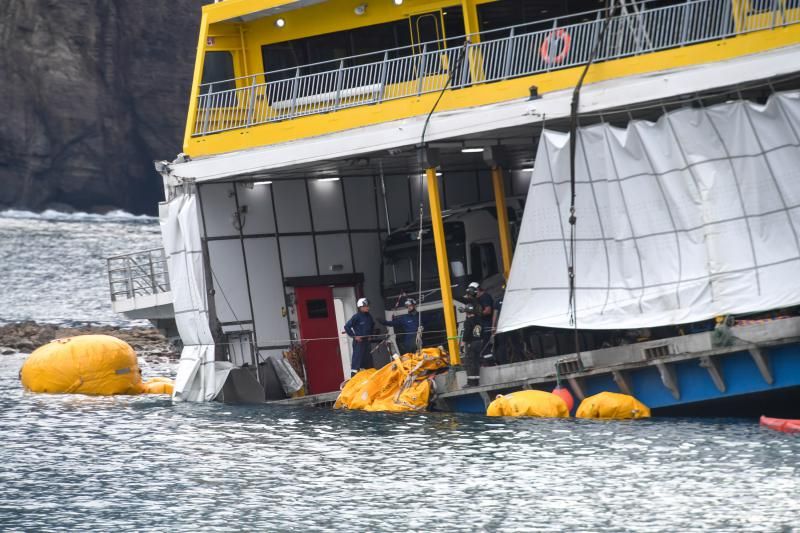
point(411, 301)
point(474, 285)
point(362, 302)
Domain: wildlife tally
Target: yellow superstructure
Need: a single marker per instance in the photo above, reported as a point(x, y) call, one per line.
point(254, 110)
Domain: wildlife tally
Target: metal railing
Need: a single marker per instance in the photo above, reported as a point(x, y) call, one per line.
point(138, 274)
point(522, 50)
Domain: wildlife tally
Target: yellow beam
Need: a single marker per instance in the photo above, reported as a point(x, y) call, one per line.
point(196, 78)
point(444, 266)
point(502, 219)
point(471, 25)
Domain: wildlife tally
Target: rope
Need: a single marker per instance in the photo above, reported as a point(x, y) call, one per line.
point(573, 307)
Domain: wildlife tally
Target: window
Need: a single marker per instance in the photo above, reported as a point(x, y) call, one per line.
point(484, 261)
point(317, 308)
point(454, 26)
point(368, 41)
point(218, 69)
point(371, 40)
point(505, 13)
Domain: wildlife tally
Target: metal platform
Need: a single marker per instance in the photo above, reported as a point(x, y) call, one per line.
point(677, 371)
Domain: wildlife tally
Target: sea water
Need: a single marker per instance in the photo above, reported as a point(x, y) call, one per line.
point(142, 463)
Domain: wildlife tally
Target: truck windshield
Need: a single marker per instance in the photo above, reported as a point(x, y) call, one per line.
point(401, 259)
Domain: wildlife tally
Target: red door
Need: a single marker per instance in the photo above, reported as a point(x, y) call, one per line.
point(318, 321)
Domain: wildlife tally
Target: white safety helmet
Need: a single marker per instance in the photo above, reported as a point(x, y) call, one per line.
point(410, 301)
point(472, 289)
point(362, 302)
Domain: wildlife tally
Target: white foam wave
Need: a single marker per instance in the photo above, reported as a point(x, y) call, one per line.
point(116, 215)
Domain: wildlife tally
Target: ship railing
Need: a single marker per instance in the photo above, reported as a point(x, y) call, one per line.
point(634, 28)
point(138, 273)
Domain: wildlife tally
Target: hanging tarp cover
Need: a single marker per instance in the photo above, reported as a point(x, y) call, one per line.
point(199, 377)
point(680, 220)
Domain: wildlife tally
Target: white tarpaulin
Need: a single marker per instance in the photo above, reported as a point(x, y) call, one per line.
point(199, 378)
point(680, 220)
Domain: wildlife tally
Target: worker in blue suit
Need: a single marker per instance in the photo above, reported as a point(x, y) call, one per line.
point(360, 327)
point(405, 327)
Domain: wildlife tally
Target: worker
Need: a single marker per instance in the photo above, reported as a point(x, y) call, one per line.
point(360, 328)
point(484, 306)
point(405, 327)
point(472, 344)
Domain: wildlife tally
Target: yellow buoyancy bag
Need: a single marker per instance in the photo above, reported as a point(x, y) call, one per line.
point(88, 364)
point(401, 385)
point(612, 405)
point(529, 403)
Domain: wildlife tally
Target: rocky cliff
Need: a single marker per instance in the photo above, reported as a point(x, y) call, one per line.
point(91, 92)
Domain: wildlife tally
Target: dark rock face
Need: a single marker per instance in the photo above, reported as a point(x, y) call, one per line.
point(91, 92)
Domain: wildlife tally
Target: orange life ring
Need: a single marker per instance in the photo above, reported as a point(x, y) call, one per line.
point(544, 50)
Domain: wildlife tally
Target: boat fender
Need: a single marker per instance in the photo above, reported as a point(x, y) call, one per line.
point(566, 395)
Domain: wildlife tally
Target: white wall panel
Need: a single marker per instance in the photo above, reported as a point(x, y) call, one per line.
point(368, 261)
point(397, 198)
point(520, 181)
point(334, 250)
point(327, 205)
point(460, 188)
point(218, 209)
point(361, 208)
point(291, 205)
point(266, 287)
point(298, 256)
point(227, 266)
point(259, 218)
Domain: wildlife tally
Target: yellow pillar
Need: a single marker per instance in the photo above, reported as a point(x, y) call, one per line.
point(502, 219)
point(444, 266)
point(470, 11)
point(196, 79)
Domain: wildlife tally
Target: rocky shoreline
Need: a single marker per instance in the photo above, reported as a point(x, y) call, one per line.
point(26, 336)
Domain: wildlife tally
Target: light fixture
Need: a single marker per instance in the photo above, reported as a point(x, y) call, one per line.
point(327, 179)
point(360, 9)
point(526, 169)
point(437, 174)
point(280, 22)
point(398, 2)
point(262, 183)
point(471, 150)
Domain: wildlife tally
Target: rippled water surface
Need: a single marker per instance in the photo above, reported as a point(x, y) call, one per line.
point(141, 463)
point(75, 462)
point(53, 268)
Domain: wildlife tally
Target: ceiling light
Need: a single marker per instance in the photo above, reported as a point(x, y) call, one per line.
point(360, 9)
point(262, 183)
point(398, 2)
point(327, 179)
point(426, 174)
point(471, 150)
point(280, 23)
point(526, 169)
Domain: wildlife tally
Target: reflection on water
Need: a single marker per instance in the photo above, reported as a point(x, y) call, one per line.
point(142, 463)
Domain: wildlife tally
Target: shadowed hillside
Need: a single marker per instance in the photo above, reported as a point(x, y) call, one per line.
point(92, 92)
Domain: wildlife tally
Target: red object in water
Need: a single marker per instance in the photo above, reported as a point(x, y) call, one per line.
point(781, 424)
point(564, 394)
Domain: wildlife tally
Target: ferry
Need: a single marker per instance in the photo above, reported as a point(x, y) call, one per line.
point(627, 170)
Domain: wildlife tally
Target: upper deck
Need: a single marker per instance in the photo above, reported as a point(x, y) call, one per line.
point(273, 71)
